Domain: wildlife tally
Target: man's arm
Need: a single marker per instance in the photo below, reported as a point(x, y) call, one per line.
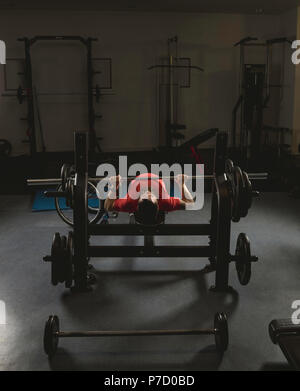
point(112, 194)
point(186, 197)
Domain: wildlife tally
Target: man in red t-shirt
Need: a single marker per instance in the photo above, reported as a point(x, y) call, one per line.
point(146, 197)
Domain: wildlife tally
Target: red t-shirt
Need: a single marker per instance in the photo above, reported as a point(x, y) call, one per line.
point(156, 186)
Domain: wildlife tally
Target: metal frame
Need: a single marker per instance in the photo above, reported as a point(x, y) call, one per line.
point(171, 126)
point(218, 230)
point(87, 42)
point(243, 146)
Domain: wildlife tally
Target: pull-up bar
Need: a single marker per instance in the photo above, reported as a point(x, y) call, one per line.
point(57, 38)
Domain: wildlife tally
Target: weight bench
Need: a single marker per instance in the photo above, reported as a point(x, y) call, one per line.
point(287, 335)
point(148, 239)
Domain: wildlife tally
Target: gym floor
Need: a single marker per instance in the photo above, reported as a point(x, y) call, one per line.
point(147, 294)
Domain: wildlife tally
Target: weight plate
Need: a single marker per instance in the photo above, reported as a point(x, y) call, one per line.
point(238, 185)
point(69, 261)
point(67, 190)
point(221, 332)
point(50, 337)
point(248, 186)
point(61, 266)
point(55, 256)
point(229, 166)
point(243, 262)
point(70, 193)
point(72, 170)
point(244, 202)
point(91, 279)
point(71, 187)
point(64, 174)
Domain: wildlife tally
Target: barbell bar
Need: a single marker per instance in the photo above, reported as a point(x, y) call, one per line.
point(58, 181)
point(52, 333)
point(132, 333)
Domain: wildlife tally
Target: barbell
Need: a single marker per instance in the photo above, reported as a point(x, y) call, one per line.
point(62, 259)
point(58, 181)
point(239, 181)
point(52, 333)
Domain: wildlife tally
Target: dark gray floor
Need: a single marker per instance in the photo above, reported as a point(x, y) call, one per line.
point(145, 293)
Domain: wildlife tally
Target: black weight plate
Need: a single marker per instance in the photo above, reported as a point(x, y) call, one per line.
point(61, 267)
point(70, 193)
point(69, 260)
point(68, 190)
point(238, 185)
point(71, 187)
point(64, 174)
point(72, 170)
point(91, 279)
point(243, 263)
point(229, 166)
point(50, 337)
point(232, 190)
point(221, 332)
point(229, 172)
point(248, 186)
point(244, 198)
point(55, 256)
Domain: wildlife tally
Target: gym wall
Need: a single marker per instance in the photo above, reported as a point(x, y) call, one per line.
point(134, 41)
point(286, 105)
point(296, 91)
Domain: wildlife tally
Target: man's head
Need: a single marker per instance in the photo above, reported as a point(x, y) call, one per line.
point(147, 209)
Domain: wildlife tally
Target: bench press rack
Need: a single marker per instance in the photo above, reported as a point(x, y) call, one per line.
point(231, 199)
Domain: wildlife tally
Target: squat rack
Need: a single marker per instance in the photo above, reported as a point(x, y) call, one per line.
point(87, 42)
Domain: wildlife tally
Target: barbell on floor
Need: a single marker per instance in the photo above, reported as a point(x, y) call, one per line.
point(52, 333)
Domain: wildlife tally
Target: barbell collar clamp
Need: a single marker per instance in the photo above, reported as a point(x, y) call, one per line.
point(237, 258)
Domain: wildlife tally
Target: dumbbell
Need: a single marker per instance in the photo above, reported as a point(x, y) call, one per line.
point(52, 333)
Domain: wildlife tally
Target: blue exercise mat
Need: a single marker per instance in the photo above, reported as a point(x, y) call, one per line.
point(42, 203)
